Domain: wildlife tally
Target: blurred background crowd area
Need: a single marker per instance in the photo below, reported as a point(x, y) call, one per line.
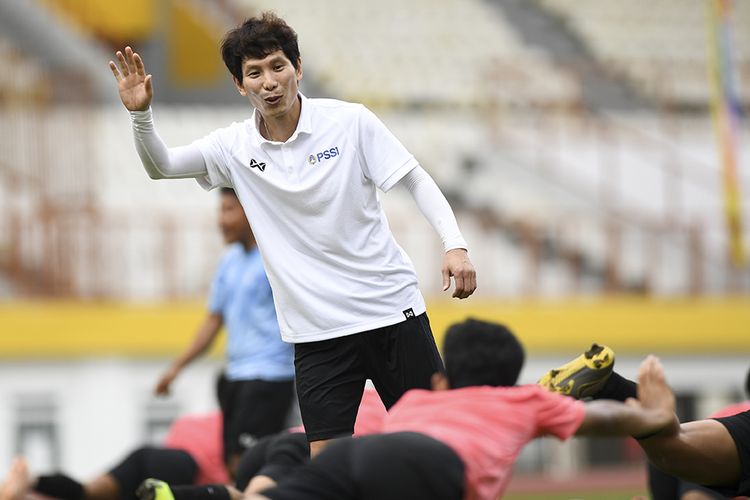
point(595, 152)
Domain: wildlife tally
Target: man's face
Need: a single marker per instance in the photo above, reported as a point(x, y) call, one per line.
point(270, 84)
point(232, 220)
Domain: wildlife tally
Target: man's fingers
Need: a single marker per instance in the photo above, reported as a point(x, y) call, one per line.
point(139, 67)
point(466, 283)
point(123, 64)
point(115, 71)
point(130, 59)
point(458, 279)
point(446, 279)
point(472, 283)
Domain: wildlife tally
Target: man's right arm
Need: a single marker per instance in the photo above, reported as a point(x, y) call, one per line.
point(136, 93)
point(612, 418)
point(159, 161)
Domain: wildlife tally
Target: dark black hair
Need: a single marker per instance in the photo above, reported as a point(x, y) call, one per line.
point(481, 353)
point(747, 383)
point(256, 38)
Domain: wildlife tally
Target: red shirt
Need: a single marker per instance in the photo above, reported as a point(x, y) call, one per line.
point(200, 436)
point(487, 427)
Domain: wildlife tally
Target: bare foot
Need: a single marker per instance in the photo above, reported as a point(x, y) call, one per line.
point(17, 481)
point(654, 394)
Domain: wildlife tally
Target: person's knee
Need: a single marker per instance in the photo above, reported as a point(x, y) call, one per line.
point(136, 460)
point(258, 484)
point(317, 446)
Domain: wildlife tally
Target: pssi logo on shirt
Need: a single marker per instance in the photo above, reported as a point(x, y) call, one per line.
point(323, 155)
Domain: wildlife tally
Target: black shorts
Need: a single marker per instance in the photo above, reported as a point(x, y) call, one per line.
point(274, 456)
point(739, 428)
point(663, 486)
point(170, 465)
point(252, 409)
point(331, 374)
point(399, 466)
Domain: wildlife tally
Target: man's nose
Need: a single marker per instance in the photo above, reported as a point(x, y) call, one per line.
point(270, 82)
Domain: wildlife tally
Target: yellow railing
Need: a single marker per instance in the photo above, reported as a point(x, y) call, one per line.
point(117, 21)
point(637, 326)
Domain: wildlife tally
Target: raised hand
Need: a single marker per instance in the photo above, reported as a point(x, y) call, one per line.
point(133, 83)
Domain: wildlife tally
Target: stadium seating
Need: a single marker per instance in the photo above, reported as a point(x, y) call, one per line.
point(23, 79)
point(660, 46)
point(455, 53)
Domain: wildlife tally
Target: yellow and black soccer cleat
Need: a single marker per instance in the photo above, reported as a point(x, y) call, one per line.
point(584, 376)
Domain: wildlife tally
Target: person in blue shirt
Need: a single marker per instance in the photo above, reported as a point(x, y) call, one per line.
point(256, 390)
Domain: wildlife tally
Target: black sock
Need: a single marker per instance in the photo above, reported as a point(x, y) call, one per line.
point(618, 388)
point(207, 492)
point(59, 486)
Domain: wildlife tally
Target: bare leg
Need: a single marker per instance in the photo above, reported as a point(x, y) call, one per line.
point(235, 494)
point(17, 483)
point(258, 484)
point(232, 462)
point(317, 446)
point(103, 487)
point(702, 452)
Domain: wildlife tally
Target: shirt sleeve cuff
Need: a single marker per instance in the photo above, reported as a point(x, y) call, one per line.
point(398, 174)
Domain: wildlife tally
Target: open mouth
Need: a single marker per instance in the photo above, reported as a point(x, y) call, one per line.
point(272, 99)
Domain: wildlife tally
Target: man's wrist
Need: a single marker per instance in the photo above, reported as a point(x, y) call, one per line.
point(463, 247)
point(144, 116)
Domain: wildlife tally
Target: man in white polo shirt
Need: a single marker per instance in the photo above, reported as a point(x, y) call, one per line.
point(306, 172)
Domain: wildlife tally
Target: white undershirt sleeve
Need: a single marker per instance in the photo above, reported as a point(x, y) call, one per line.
point(434, 207)
point(159, 161)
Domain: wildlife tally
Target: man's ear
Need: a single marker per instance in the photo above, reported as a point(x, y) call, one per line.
point(238, 85)
point(439, 382)
point(299, 69)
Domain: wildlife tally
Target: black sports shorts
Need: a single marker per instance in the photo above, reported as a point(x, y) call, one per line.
point(398, 466)
point(739, 428)
point(331, 374)
point(274, 456)
point(252, 409)
point(170, 465)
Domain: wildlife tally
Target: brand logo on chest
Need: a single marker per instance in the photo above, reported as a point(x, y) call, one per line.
point(326, 154)
point(259, 165)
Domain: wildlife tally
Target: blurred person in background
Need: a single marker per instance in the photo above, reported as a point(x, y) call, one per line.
point(191, 454)
point(307, 173)
point(275, 457)
point(256, 390)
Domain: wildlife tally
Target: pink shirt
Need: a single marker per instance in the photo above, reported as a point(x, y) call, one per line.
point(732, 409)
point(200, 436)
point(370, 415)
point(487, 427)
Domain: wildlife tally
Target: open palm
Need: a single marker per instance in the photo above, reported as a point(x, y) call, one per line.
point(133, 83)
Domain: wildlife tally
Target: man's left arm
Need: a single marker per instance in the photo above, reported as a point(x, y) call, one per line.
point(437, 211)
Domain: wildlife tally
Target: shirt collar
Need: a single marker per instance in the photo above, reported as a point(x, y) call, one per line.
point(304, 124)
